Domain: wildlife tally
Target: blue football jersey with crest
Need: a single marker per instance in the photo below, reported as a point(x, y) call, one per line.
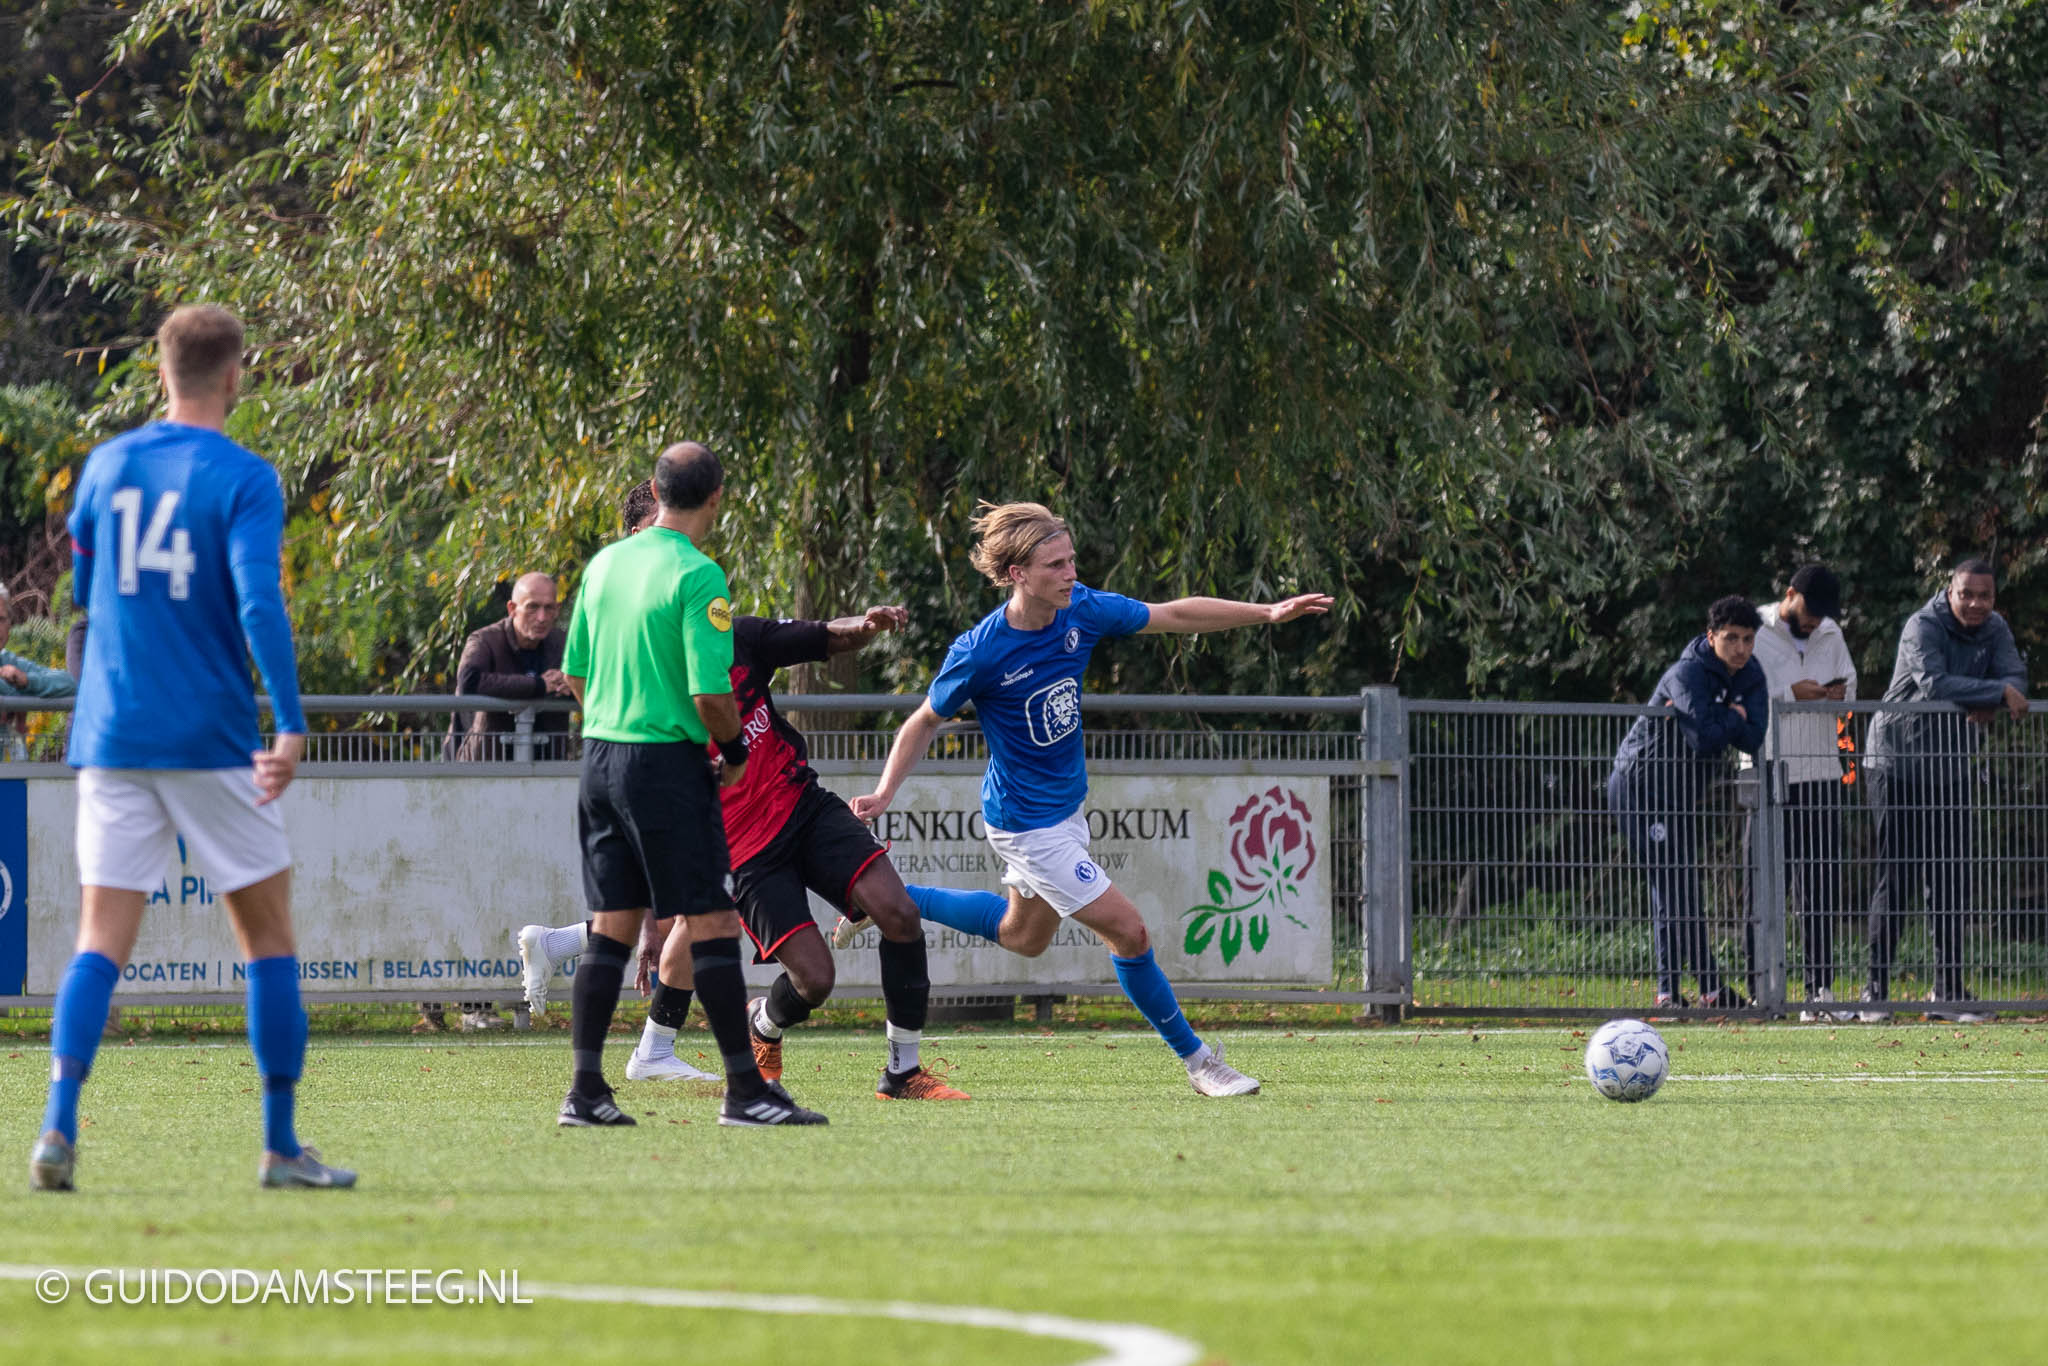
point(175, 538)
point(1026, 691)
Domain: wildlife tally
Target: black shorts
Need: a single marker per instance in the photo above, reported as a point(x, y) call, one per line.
point(653, 830)
point(823, 847)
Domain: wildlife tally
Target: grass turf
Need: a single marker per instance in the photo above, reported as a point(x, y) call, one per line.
point(1794, 1194)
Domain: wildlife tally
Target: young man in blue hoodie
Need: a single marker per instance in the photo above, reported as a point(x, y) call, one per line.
point(1718, 699)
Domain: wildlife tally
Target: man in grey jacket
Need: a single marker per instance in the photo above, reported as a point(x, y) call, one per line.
point(1955, 649)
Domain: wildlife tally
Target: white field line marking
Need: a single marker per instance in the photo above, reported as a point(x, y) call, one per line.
point(1124, 1344)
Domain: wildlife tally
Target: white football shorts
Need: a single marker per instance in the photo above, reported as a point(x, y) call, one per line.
point(1051, 863)
point(130, 819)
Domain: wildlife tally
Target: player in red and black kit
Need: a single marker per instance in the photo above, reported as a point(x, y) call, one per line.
point(788, 836)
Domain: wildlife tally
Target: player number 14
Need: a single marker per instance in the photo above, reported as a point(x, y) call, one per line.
point(144, 548)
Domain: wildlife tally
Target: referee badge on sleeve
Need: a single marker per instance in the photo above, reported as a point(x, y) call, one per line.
point(719, 613)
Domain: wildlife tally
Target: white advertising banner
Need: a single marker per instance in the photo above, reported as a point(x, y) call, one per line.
point(417, 885)
point(1231, 874)
point(397, 884)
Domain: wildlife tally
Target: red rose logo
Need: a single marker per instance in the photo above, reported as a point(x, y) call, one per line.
point(1271, 844)
point(1272, 848)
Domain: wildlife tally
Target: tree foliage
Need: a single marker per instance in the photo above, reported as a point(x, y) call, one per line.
point(1528, 328)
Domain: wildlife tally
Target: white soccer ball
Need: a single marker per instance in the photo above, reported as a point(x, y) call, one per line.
point(1627, 1060)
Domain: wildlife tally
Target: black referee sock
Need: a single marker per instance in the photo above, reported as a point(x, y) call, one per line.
point(723, 990)
point(670, 1006)
point(593, 1000)
point(906, 983)
point(786, 1007)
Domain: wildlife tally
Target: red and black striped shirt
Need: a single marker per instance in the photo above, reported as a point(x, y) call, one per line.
point(778, 763)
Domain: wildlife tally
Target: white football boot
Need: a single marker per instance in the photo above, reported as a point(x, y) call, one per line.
point(1214, 1077)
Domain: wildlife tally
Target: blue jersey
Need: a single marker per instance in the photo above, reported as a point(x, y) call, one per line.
point(175, 536)
point(1026, 691)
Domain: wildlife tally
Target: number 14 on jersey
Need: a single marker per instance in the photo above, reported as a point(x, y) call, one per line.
point(145, 549)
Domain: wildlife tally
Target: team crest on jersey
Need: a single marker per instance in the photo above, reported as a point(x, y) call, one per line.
point(1054, 711)
point(719, 613)
point(1073, 639)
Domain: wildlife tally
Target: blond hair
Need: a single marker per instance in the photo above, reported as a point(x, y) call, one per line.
point(197, 346)
point(1007, 535)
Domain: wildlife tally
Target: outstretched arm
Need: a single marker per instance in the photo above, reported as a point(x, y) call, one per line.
point(911, 742)
point(846, 634)
point(1186, 616)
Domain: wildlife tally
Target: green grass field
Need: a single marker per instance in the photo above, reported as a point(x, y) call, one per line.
point(1794, 1195)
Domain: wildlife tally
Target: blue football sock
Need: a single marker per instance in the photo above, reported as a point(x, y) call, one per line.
point(1152, 994)
point(968, 912)
point(81, 1014)
point(277, 1036)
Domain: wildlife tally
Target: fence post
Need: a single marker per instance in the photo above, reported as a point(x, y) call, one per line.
point(1767, 871)
point(522, 736)
point(1383, 725)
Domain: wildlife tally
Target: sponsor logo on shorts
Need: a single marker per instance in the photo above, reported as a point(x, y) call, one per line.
point(1085, 871)
point(719, 613)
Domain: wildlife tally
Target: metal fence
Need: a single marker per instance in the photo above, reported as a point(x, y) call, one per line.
point(1914, 876)
point(1487, 860)
point(353, 735)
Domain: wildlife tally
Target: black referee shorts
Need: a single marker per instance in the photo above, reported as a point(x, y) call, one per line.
point(653, 830)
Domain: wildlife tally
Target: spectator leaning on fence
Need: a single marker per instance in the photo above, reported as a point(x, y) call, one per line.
point(1716, 696)
point(23, 677)
point(1917, 770)
point(1806, 659)
point(518, 659)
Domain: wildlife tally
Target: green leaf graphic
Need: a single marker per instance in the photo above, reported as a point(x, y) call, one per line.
point(1200, 932)
point(1219, 887)
point(1233, 937)
point(1262, 930)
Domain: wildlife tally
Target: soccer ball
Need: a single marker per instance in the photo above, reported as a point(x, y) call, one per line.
point(1627, 1060)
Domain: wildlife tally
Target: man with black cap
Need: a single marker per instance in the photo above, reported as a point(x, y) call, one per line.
point(1806, 659)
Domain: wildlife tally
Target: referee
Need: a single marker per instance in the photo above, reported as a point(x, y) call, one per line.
point(649, 656)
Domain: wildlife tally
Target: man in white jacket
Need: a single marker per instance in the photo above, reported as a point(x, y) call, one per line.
point(1806, 659)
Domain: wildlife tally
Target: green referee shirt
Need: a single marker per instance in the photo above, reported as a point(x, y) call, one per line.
point(652, 628)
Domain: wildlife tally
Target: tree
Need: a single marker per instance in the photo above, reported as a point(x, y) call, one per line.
point(1507, 323)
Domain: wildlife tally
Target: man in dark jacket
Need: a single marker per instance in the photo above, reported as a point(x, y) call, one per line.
point(1917, 770)
point(1718, 698)
point(517, 658)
